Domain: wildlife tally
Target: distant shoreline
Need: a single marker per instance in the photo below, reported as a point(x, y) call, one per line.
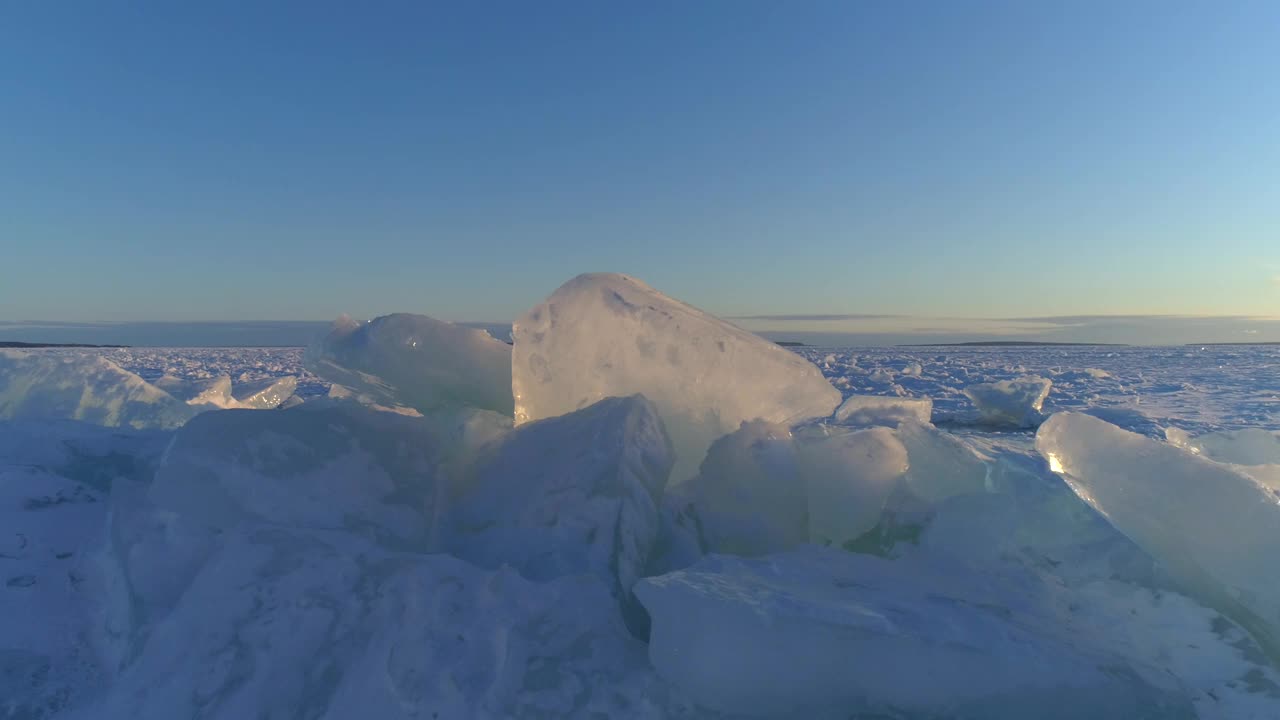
point(1014, 343)
point(15, 345)
point(1260, 342)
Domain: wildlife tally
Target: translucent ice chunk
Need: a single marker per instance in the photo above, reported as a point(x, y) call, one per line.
point(883, 410)
point(847, 478)
point(941, 465)
point(1011, 402)
point(748, 496)
point(265, 394)
point(214, 392)
point(416, 361)
point(604, 334)
point(1216, 529)
point(1251, 446)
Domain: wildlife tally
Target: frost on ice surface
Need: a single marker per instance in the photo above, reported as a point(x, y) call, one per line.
point(578, 493)
point(1216, 529)
point(1011, 402)
point(883, 410)
point(603, 335)
point(824, 633)
point(82, 386)
point(325, 466)
point(417, 362)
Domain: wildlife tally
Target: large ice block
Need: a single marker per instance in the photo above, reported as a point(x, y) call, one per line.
point(1216, 529)
point(847, 477)
point(605, 334)
point(748, 496)
point(883, 410)
point(264, 394)
point(1011, 402)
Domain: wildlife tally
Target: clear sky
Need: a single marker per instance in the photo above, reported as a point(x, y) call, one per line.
point(250, 160)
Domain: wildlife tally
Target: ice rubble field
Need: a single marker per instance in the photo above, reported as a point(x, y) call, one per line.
point(638, 510)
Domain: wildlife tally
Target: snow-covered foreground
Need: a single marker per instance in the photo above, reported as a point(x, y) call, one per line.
point(652, 514)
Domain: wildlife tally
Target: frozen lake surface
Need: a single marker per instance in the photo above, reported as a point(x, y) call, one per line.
point(640, 543)
point(1198, 389)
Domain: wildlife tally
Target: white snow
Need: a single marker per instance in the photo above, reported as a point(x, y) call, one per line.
point(881, 410)
point(417, 362)
point(823, 633)
point(602, 335)
point(1216, 529)
point(1011, 402)
point(326, 466)
point(284, 622)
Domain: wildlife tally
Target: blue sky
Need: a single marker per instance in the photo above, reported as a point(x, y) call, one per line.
point(233, 161)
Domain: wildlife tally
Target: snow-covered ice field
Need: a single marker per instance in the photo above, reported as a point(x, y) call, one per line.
point(665, 517)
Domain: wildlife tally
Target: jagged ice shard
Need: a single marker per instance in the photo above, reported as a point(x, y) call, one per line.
point(1011, 402)
point(605, 334)
point(1216, 529)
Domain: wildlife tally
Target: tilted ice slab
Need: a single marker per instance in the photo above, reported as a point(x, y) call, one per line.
point(1250, 446)
point(214, 392)
point(572, 494)
point(285, 622)
point(83, 386)
point(329, 466)
point(605, 334)
point(218, 392)
point(417, 362)
point(1011, 402)
point(825, 633)
point(1216, 529)
point(1255, 451)
point(883, 410)
point(264, 394)
point(942, 465)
